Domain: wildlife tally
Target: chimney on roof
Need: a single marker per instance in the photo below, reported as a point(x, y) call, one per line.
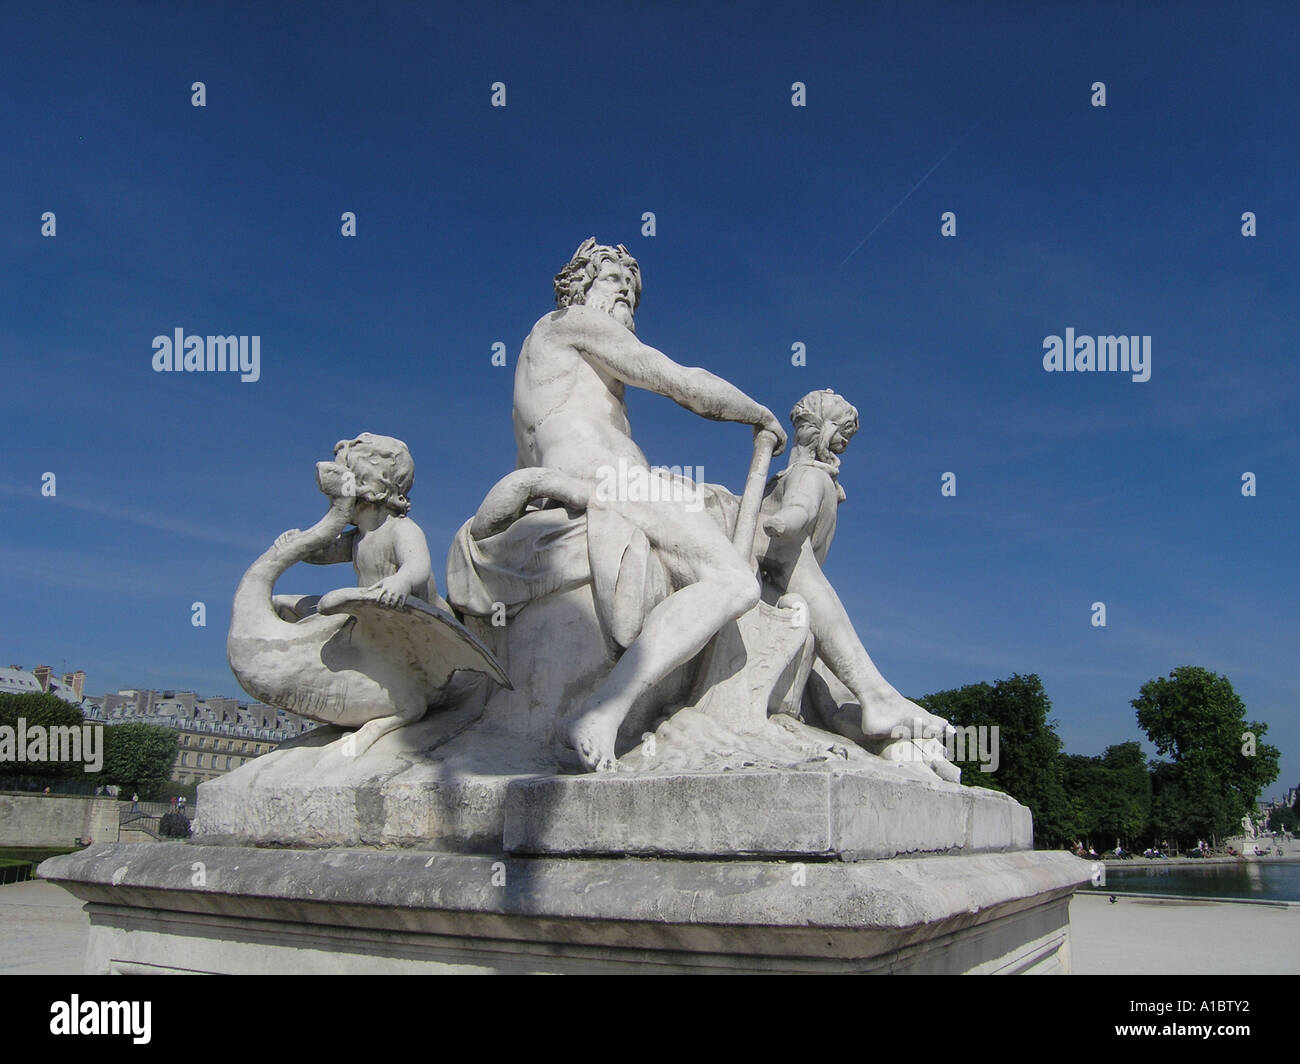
point(76, 681)
point(42, 674)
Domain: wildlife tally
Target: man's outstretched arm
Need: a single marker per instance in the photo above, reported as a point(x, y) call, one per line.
point(612, 348)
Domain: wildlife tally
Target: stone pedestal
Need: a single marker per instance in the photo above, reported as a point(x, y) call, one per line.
point(840, 863)
point(181, 907)
point(824, 868)
point(875, 811)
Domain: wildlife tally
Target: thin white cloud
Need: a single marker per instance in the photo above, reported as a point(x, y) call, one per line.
point(136, 516)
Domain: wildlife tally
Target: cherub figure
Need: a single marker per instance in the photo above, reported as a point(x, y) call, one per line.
point(796, 525)
point(387, 549)
point(374, 657)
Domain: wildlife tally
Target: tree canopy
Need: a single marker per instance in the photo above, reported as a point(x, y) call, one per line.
point(1285, 818)
point(139, 757)
point(1219, 763)
point(1110, 795)
point(1029, 768)
point(46, 711)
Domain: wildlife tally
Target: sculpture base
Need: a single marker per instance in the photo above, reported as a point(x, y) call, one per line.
point(874, 810)
point(877, 810)
point(180, 907)
point(780, 790)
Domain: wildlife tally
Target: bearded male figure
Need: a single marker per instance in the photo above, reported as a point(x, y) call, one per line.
point(571, 427)
point(570, 418)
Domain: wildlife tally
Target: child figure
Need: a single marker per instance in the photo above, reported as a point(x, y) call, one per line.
point(802, 500)
point(796, 525)
point(387, 549)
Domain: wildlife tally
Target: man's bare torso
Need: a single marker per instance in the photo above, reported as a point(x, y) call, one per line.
point(568, 414)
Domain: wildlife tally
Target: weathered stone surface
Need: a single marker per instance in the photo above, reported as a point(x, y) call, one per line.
point(736, 813)
point(997, 821)
point(418, 809)
point(425, 785)
point(875, 811)
point(442, 784)
point(352, 911)
point(56, 819)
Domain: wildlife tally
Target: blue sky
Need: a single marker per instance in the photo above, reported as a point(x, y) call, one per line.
point(1071, 488)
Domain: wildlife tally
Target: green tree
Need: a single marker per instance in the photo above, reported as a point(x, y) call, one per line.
point(1285, 819)
point(1030, 767)
point(47, 711)
point(1219, 760)
point(1111, 794)
point(1085, 781)
point(1127, 806)
point(1188, 805)
point(139, 757)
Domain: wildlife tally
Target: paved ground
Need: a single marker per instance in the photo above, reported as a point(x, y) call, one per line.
point(44, 931)
point(1139, 936)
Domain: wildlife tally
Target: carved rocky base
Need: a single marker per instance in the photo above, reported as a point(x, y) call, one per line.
point(263, 911)
point(866, 808)
point(819, 812)
point(453, 783)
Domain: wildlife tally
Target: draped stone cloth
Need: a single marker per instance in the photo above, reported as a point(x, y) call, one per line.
point(550, 550)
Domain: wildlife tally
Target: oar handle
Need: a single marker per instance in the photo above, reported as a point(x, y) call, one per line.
point(752, 497)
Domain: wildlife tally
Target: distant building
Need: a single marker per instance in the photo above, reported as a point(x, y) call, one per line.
point(1287, 801)
point(15, 680)
point(216, 734)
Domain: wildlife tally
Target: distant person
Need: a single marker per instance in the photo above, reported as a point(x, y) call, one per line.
point(135, 802)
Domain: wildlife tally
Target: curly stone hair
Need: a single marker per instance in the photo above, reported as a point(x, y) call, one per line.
point(819, 415)
point(572, 282)
point(383, 467)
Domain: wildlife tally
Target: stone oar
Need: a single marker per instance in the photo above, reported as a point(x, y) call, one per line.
point(745, 661)
point(752, 497)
